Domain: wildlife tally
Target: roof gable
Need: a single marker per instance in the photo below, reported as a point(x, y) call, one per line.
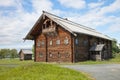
point(25, 51)
point(72, 27)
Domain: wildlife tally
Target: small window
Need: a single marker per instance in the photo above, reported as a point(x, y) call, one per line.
point(38, 43)
point(76, 41)
point(85, 42)
point(48, 24)
point(67, 55)
point(66, 41)
point(94, 43)
point(58, 42)
point(50, 42)
point(50, 55)
point(59, 55)
point(44, 26)
point(42, 43)
point(41, 54)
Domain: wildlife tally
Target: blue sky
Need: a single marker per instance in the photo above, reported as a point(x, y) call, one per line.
point(17, 17)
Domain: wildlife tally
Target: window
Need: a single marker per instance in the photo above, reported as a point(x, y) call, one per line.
point(76, 41)
point(59, 55)
point(42, 43)
point(67, 55)
point(58, 42)
point(50, 42)
point(94, 43)
point(85, 42)
point(48, 24)
point(66, 41)
point(38, 43)
point(50, 55)
point(44, 26)
point(40, 54)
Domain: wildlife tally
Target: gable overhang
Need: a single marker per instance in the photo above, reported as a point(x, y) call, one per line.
point(31, 35)
point(37, 28)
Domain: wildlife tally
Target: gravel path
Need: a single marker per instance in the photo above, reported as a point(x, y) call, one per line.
point(99, 71)
point(9, 65)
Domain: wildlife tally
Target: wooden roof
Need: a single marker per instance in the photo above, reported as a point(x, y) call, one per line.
point(98, 47)
point(26, 51)
point(70, 26)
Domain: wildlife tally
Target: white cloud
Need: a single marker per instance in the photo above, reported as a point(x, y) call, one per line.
point(7, 2)
point(111, 8)
point(95, 5)
point(95, 18)
point(16, 24)
point(114, 28)
point(77, 4)
point(40, 5)
point(46, 5)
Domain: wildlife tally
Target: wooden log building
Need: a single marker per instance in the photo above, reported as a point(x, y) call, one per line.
point(60, 40)
point(25, 54)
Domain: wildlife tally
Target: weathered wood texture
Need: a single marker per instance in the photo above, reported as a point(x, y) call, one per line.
point(51, 51)
point(54, 44)
point(25, 56)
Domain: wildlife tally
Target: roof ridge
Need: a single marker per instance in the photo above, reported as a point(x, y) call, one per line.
point(26, 49)
point(80, 26)
point(73, 23)
point(52, 14)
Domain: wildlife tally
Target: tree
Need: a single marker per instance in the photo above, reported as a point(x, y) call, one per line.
point(115, 48)
point(13, 53)
point(7, 53)
point(3, 53)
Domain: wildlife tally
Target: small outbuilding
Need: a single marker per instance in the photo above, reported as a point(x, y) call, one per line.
point(97, 52)
point(25, 54)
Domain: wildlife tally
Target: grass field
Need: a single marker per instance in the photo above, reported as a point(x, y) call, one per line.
point(28, 70)
point(13, 69)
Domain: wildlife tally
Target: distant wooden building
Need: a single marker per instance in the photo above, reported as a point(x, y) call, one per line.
point(25, 54)
point(61, 40)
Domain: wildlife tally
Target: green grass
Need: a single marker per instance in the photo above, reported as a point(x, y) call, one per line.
point(29, 70)
point(15, 61)
point(13, 69)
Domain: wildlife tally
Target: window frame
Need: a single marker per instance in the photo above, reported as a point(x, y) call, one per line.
point(51, 42)
point(59, 55)
point(76, 41)
point(38, 43)
point(66, 41)
point(40, 54)
point(43, 43)
point(58, 42)
point(50, 55)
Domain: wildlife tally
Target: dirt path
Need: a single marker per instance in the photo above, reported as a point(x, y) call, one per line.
point(99, 71)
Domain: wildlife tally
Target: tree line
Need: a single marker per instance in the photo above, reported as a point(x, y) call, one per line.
point(8, 53)
point(115, 47)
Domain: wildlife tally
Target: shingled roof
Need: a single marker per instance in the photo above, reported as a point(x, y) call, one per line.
point(26, 51)
point(70, 26)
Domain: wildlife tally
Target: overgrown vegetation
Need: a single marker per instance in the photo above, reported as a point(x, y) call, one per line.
point(115, 47)
point(38, 71)
point(8, 53)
